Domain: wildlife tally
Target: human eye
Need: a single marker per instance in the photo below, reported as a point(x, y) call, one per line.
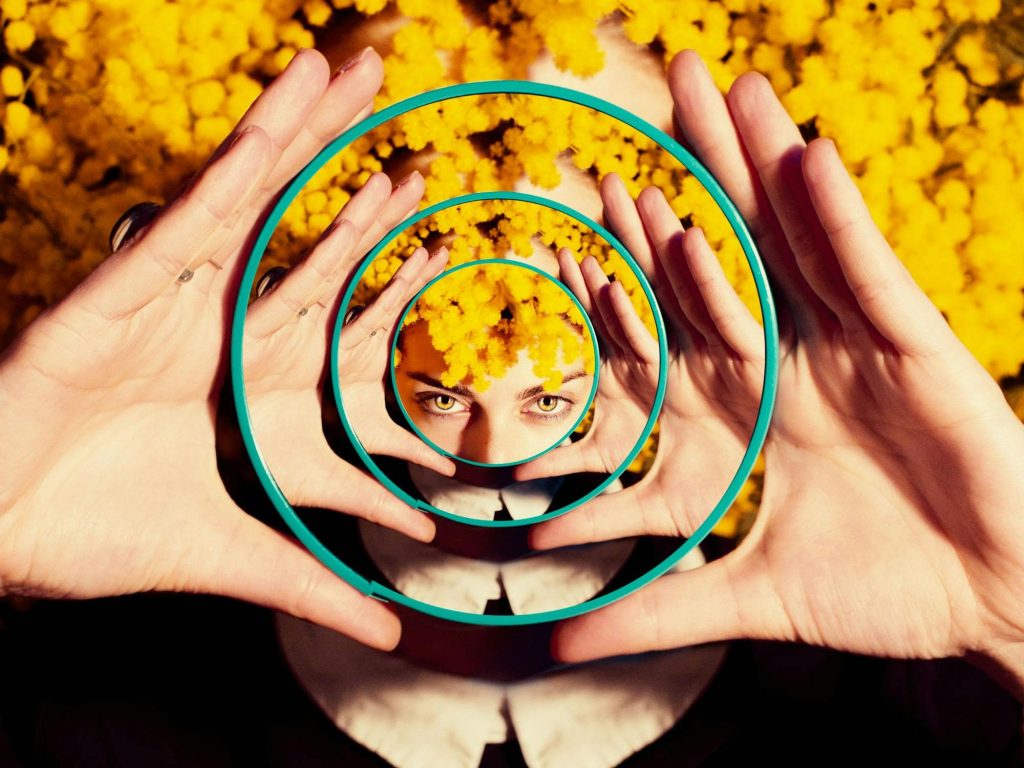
point(440, 403)
point(550, 407)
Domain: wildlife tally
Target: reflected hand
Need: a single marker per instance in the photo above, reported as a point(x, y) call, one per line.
point(108, 400)
point(715, 373)
point(286, 364)
point(890, 521)
point(627, 382)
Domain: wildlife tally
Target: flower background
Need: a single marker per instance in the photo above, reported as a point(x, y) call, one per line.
point(110, 102)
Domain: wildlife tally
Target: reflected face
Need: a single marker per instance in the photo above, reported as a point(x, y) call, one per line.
point(511, 420)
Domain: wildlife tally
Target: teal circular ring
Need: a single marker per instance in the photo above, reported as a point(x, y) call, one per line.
point(419, 216)
point(505, 263)
point(694, 166)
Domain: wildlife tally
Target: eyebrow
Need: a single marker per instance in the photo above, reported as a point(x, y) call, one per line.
point(539, 388)
point(458, 389)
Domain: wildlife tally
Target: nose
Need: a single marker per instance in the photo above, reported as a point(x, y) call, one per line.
point(482, 440)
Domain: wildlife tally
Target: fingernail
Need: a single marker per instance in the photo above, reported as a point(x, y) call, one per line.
point(407, 178)
point(353, 60)
point(425, 529)
point(296, 55)
point(244, 132)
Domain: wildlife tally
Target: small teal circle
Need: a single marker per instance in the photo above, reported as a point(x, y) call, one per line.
point(515, 265)
point(335, 362)
point(680, 153)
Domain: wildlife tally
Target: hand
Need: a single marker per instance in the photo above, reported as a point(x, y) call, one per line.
point(890, 521)
point(107, 400)
point(364, 354)
point(626, 386)
point(715, 375)
point(285, 363)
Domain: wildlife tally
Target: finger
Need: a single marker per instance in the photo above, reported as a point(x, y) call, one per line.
point(214, 204)
point(564, 460)
point(405, 198)
point(331, 483)
point(776, 148)
point(622, 218)
point(293, 295)
point(282, 111)
point(383, 312)
point(402, 203)
point(344, 97)
point(597, 286)
point(725, 310)
point(402, 445)
point(724, 599)
point(366, 205)
point(638, 339)
point(569, 272)
point(677, 291)
point(883, 287)
point(331, 259)
point(250, 561)
point(136, 274)
point(631, 512)
point(362, 210)
point(705, 119)
point(303, 110)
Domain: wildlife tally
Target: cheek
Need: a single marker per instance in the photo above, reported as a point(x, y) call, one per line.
point(444, 432)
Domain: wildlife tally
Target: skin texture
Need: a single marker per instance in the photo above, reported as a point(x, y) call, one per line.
point(890, 522)
point(107, 400)
point(510, 420)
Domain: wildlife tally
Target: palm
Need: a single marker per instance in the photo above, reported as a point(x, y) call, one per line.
point(713, 386)
point(285, 365)
point(889, 522)
point(625, 393)
point(115, 487)
point(81, 380)
point(854, 482)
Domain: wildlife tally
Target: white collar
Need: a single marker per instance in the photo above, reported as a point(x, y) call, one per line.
point(525, 499)
point(586, 714)
point(540, 581)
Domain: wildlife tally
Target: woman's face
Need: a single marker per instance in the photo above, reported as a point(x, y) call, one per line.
point(511, 420)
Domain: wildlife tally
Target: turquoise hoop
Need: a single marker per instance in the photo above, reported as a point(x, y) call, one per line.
point(504, 263)
point(768, 313)
point(659, 395)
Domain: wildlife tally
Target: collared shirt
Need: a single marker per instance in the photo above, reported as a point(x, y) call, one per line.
point(586, 715)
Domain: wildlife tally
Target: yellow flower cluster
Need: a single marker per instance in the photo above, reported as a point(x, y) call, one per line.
point(481, 318)
point(109, 102)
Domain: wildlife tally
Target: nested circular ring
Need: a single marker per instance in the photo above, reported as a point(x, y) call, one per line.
point(516, 265)
point(771, 338)
point(419, 216)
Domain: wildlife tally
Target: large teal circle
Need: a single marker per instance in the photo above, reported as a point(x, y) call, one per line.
point(769, 318)
point(470, 265)
point(659, 395)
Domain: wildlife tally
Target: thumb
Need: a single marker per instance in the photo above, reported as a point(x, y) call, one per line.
point(725, 599)
point(260, 565)
point(616, 515)
point(399, 444)
point(564, 460)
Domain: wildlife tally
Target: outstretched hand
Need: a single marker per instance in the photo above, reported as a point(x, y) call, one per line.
point(714, 377)
point(890, 520)
point(285, 360)
point(626, 386)
point(107, 400)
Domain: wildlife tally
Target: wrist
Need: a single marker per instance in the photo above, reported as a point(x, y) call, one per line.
point(1004, 664)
